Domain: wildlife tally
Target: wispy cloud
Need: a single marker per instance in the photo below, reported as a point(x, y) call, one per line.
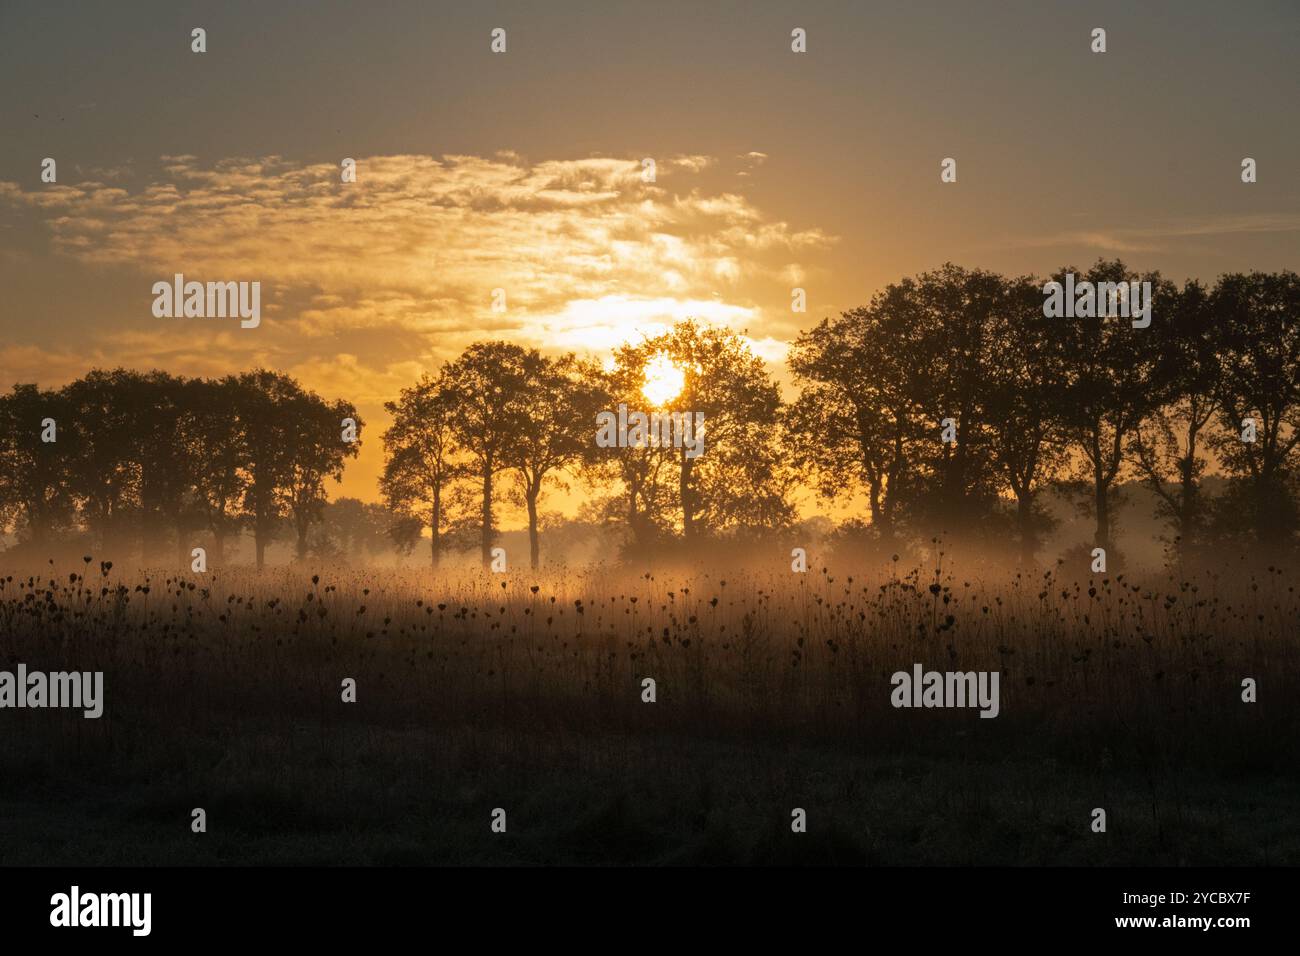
point(1159, 237)
point(420, 243)
point(366, 285)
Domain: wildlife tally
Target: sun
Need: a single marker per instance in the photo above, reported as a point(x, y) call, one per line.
point(663, 380)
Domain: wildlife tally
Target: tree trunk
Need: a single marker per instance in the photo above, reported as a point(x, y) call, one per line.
point(487, 516)
point(953, 509)
point(1025, 520)
point(1101, 498)
point(874, 489)
point(688, 506)
point(882, 511)
point(1187, 509)
point(435, 526)
point(534, 549)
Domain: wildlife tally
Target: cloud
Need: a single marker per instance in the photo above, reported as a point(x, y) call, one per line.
point(1160, 236)
point(367, 285)
point(419, 243)
point(603, 323)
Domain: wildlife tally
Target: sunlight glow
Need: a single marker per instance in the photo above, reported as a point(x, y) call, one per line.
point(663, 380)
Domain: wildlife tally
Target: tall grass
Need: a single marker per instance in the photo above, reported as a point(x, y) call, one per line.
point(773, 691)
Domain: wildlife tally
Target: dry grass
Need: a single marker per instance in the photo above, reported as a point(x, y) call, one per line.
point(524, 691)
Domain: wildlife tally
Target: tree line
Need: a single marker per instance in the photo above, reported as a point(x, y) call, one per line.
point(950, 404)
point(1080, 403)
point(137, 457)
point(501, 412)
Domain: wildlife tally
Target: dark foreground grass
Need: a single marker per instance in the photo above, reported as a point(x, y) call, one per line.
point(420, 797)
point(224, 693)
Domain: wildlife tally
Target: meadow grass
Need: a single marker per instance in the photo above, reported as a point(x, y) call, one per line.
point(524, 691)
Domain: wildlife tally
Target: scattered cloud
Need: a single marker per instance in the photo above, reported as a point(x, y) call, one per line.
point(419, 243)
point(367, 285)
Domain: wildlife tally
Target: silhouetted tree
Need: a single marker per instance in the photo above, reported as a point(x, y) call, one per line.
point(351, 529)
point(217, 449)
point(421, 459)
point(561, 399)
point(1112, 376)
point(263, 400)
point(1168, 448)
point(35, 481)
point(726, 382)
point(1260, 379)
point(158, 405)
point(856, 418)
point(952, 485)
point(315, 450)
point(489, 383)
point(1021, 401)
point(642, 472)
point(100, 445)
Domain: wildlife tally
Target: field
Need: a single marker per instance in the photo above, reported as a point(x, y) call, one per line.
point(524, 692)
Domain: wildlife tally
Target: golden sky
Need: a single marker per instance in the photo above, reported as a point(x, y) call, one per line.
point(523, 171)
point(366, 285)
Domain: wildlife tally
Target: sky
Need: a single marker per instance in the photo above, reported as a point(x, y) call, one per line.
point(523, 171)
